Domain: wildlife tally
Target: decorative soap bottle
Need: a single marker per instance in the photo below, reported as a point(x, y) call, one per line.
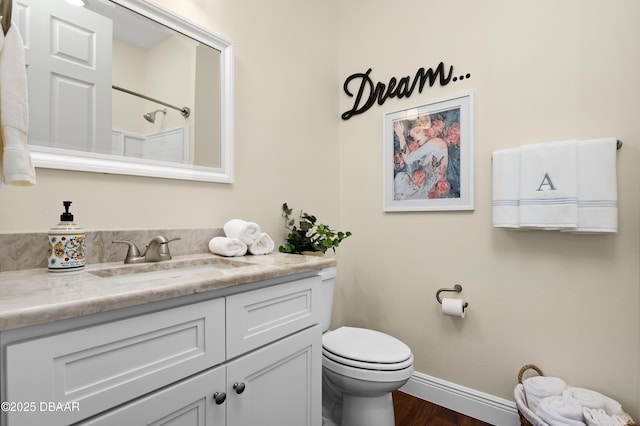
point(66, 244)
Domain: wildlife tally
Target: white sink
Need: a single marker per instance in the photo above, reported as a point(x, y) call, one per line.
point(171, 269)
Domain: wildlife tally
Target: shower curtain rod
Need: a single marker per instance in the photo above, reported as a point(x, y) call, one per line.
point(184, 111)
point(6, 15)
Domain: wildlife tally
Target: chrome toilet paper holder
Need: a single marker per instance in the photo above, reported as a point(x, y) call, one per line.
point(456, 288)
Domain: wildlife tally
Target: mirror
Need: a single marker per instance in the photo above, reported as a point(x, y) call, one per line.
point(126, 87)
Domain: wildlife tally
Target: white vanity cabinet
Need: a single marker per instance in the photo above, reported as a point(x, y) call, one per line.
point(245, 359)
point(275, 385)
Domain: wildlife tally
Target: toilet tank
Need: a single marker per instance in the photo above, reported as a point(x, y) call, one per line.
point(328, 276)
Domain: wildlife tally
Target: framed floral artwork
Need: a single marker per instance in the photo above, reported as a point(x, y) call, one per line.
point(428, 157)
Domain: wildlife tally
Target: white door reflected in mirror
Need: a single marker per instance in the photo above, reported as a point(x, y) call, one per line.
point(126, 87)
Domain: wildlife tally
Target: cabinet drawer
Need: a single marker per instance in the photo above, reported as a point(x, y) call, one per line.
point(262, 316)
point(105, 365)
point(189, 402)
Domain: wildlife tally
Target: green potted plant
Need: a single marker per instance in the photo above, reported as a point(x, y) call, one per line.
point(308, 236)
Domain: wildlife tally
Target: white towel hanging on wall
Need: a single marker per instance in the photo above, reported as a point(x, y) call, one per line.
point(506, 188)
point(571, 185)
point(17, 168)
point(549, 185)
point(597, 186)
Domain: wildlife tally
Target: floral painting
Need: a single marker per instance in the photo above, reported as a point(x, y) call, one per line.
point(428, 157)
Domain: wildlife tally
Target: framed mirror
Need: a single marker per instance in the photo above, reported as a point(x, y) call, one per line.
point(126, 87)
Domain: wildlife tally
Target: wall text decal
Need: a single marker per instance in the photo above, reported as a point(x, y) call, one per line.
point(368, 93)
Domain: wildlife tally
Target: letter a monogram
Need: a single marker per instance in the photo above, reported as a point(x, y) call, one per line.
point(546, 181)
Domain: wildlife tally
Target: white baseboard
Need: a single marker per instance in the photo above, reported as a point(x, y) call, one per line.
point(470, 402)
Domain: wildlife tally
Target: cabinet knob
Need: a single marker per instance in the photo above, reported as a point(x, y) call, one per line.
point(239, 387)
point(219, 397)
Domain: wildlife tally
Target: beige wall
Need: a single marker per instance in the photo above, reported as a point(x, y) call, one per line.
point(128, 71)
point(540, 71)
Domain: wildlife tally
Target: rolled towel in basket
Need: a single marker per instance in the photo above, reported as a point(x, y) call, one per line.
point(593, 399)
point(560, 410)
point(599, 417)
point(539, 387)
point(247, 232)
point(263, 245)
point(226, 246)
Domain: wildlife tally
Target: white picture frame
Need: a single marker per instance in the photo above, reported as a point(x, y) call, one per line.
point(428, 156)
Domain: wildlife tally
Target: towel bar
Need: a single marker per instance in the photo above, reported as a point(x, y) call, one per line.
point(456, 288)
point(618, 142)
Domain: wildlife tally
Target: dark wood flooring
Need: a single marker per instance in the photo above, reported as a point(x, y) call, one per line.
point(412, 411)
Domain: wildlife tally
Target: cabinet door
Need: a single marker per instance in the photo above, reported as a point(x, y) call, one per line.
point(282, 383)
point(188, 403)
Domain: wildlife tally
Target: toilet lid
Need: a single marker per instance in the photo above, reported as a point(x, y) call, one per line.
point(365, 345)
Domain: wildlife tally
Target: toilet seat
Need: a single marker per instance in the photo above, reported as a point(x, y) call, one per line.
point(366, 349)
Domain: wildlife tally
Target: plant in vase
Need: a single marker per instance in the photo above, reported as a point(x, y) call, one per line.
point(309, 237)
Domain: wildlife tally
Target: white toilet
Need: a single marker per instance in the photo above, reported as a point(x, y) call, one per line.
point(360, 369)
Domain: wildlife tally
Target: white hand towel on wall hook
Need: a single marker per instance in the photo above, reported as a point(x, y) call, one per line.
point(17, 168)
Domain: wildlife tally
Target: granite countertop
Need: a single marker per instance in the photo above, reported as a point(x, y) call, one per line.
point(36, 296)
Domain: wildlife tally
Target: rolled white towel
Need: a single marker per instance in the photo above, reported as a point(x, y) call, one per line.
point(593, 399)
point(247, 232)
point(226, 246)
point(263, 245)
point(560, 410)
point(539, 387)
point(599, 417)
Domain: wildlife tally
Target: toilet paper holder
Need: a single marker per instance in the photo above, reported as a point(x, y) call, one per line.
point(456, 288)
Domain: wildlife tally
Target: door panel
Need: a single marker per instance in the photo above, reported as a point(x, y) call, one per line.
point(69, 73)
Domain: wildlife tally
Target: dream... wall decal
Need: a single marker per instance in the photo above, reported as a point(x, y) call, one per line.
point(369, 93)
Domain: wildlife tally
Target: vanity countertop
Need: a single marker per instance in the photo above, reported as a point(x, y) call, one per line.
point(36, 296)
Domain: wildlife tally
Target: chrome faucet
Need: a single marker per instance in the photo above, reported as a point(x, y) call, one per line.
point(156, 251)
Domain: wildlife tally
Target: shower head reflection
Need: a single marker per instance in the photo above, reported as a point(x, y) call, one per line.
point(151, 116)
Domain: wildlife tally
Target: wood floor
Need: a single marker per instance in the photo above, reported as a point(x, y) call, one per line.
point(412, 411)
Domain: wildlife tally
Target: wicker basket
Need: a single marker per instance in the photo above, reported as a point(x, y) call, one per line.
point(528, 417)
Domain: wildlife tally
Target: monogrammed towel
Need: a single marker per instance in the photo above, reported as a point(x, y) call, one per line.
point(549, 185)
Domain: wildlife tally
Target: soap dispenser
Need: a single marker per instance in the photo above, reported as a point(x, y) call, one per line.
point(66, 244)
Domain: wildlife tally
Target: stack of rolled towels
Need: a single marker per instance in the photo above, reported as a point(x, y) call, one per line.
point(241, 237)
point(558, 404)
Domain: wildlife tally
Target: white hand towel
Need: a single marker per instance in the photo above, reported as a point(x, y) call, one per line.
point(263, 245)
point(538, 388)
point(17, 168)
point(597, 186)
point(506, 188)
point(599, 417)
point(560, 410)
point(549, 185)
point(247, 232)
point(226, 246)
point(593, 399)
